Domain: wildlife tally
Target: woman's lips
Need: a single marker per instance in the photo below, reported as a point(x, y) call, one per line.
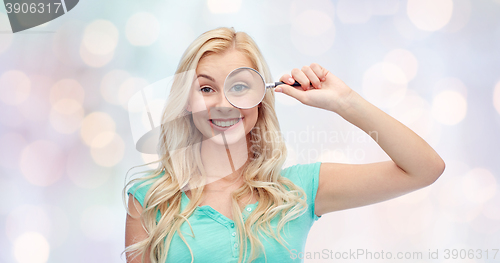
point(219, 128)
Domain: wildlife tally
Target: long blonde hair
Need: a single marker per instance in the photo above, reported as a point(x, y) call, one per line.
point(277, 195)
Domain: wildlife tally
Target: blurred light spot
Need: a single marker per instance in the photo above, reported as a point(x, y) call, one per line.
point(102, 139)
point(407, 29)
point(496, 97)
point(110, 153)
point(83, 171)
point(10, 152)
point(354, 11)
point(5, 39)
point(415, 112)
point(67, 89)
point(15, 87)
point(31, 247)
point(224, 6)
point(42, 163)
point(405, 60)
point(142, 29)
point(384, 84)
point(449, 107)
point(385, 7)
point(100, 37)
point(111, 83)
point(95, 124)
point(460, 16)
point(313, 32)
point(95, 60)
point(430, 15)
point(148, 158)
point(128, 88)
point(66, 116)
point(479, 185)
point(98, 223)
point(26, 218)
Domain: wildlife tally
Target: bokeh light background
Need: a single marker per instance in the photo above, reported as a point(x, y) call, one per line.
point(66, 142)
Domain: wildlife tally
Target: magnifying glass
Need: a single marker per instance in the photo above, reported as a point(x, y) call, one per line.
point(245, 87)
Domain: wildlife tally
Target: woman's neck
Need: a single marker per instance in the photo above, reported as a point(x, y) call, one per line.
point(224, 163)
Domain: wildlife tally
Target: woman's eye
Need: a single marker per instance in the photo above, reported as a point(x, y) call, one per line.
point(205, 89)
point(239, 88)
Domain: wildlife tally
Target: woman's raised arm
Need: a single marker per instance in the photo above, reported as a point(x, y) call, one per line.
point(413, 165)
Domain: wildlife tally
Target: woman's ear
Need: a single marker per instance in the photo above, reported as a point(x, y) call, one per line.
point(188, 108)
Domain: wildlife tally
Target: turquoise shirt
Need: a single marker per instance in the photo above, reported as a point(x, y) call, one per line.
point(215, 234)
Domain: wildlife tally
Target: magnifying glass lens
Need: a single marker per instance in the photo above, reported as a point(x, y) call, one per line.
point(244, 88)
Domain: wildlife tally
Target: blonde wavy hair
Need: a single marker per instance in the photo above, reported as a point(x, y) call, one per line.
point(277, 195)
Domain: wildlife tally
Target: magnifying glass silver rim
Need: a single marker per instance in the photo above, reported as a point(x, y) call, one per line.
point(263, 82)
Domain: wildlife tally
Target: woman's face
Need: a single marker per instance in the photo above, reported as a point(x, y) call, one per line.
point(212, 113)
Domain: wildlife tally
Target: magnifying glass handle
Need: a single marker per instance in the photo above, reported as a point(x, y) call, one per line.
point(296, 84)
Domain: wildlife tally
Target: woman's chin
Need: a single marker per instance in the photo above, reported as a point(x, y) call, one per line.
point(228, 139)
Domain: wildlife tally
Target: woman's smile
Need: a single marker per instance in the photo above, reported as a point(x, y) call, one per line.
point(225, 124)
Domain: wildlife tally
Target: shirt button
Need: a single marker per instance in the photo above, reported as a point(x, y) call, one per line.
point(249, 209)
point(232, 224)
point(233, 234)
point(235, 245)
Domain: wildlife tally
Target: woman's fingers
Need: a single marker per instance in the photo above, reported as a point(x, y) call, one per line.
point(287, 79)
point(313, 78)
point(301, 78)
point(309, 77)
point(319, 71)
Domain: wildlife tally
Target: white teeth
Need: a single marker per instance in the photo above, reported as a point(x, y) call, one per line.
point(225, 123)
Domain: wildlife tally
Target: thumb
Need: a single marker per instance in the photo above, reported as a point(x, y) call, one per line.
point(291, 91)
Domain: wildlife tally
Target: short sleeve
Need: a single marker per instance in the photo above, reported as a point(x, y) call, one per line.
point(305, 176)
point(139, 190)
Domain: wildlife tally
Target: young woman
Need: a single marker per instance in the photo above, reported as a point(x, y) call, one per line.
point(220, 193)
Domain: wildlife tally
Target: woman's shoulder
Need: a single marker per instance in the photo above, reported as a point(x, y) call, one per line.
point(306, 176)
point(298, 171)
point(140, 188)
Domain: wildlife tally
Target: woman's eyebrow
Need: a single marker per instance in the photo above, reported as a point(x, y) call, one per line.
point(206, 76)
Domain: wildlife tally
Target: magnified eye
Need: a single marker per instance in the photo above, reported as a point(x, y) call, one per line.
point(239, 88)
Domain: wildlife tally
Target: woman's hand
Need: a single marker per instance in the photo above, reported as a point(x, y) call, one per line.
point(327, 91)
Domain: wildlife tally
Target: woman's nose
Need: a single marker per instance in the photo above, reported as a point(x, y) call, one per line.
point(223, 106)
point(222, 102)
